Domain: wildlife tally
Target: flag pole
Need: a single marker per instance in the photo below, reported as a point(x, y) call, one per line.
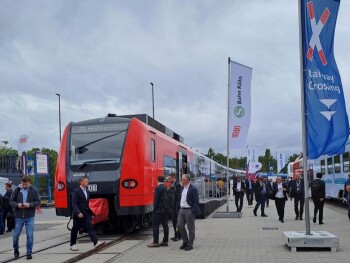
point(303, 121)
point(228, 134)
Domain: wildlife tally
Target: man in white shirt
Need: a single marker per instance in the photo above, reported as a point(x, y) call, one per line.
point(279, 192)
point(189, 208)
point(238, 190)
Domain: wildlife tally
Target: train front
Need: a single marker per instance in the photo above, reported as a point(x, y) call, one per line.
point(94, 149)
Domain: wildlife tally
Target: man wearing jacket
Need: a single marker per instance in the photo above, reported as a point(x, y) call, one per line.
point(160, 214)
point(238, 191)
point(318, 193)
point(82, 215)
point(297, 192)
point(174, 195)
point(249, 189)
point(8, 211)
point(260, 190)
point(24, 201)
point(279, 192)
point(189, 209)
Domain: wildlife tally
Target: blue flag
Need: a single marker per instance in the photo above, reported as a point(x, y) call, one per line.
point(327, 124)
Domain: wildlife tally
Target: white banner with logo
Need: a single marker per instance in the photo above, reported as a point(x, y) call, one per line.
point(281, 161)
point(252, 160)
point(22, 141)
point(239, 114)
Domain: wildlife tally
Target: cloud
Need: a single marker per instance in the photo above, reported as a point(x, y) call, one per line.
point(101, 57)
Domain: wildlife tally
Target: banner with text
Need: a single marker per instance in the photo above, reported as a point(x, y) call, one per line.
point(281, 161)
point(327, 124)
point(239, 115)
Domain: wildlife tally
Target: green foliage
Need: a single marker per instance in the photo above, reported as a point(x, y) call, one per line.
point(8, 151)
point(240, 163)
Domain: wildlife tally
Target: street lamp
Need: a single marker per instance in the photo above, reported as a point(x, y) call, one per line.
point(59, 112)
point(152, 99)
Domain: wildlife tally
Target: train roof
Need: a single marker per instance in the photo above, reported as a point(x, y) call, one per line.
point(156, 125)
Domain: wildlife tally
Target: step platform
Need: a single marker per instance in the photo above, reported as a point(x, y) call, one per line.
point(317, 239)
point(208, 206)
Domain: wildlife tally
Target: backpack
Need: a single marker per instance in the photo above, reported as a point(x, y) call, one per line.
point(165, 199)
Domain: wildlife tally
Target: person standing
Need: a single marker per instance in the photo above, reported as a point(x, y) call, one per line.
point(2, 227)
point(82, 215)
point(347, 188)
point(249, 188)
point(174, 196)
point(238, 191)
point(160, 214)
point(260, 190)
point(268, 189)
point(8, 211)
point(24, 201)
point(189, 208)
point(279, 191)
point(318, 193)
point(297, 192)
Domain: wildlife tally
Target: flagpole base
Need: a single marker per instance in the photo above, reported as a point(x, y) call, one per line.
point(317, 239)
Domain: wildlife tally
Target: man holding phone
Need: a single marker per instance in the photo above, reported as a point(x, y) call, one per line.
point(24, 201)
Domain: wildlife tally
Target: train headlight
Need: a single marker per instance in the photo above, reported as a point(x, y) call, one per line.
point(60, 186)
point(129, 183)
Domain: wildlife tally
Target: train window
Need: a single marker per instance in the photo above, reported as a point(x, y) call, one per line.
point(346, 161)
point(169, 165)
point(323, 167)
point(329, 165)
point(337, 164)
point(153, 150)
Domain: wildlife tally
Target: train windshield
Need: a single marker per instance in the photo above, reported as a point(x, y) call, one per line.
point(101, 143)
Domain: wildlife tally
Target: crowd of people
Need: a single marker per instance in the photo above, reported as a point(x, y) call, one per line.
point(279, 191)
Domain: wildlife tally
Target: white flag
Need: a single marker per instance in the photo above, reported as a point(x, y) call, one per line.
point(281, 161)
point(22, 141)
point(239, 114)
point(252, 160)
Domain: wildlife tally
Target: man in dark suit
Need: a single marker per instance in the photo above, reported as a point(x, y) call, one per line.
point(82, 215)
point(188, 209)
point(318, 193)
point(279, 192)
point(238, 190)
point(160, 214)
point(249, 189)
point(8, 211)
point(174, 196)
point(260, 190)
point(297, 192)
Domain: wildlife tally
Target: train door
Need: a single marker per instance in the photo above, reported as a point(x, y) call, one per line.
point(153, 161)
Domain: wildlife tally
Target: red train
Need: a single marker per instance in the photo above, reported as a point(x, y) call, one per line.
point(122, 157)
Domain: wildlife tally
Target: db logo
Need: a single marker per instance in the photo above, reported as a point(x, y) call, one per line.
point(239, 111)
point(235, 132)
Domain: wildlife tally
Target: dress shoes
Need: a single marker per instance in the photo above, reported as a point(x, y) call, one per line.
point(163, 244)
point(29, 256)
point(176, 239)
point(184, 245)
point(153, 245)
point(16, 253)
point(263, 215)
point(187, 248)
point(255, 213)
point(300, 218)
point(297, 217)
point(172, 238)
point(314, 220)
point(321, 223)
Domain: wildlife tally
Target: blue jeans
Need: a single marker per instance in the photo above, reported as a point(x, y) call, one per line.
point(2, 227)
point(29, 222)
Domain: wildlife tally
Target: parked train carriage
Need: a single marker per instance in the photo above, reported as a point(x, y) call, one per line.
point(122, 159)
point(335, 171)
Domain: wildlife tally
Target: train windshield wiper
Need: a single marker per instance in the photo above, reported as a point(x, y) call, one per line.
point(81, 149)
point(96, 161)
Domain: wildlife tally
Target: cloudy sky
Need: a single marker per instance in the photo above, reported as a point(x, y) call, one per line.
point(102, 55)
